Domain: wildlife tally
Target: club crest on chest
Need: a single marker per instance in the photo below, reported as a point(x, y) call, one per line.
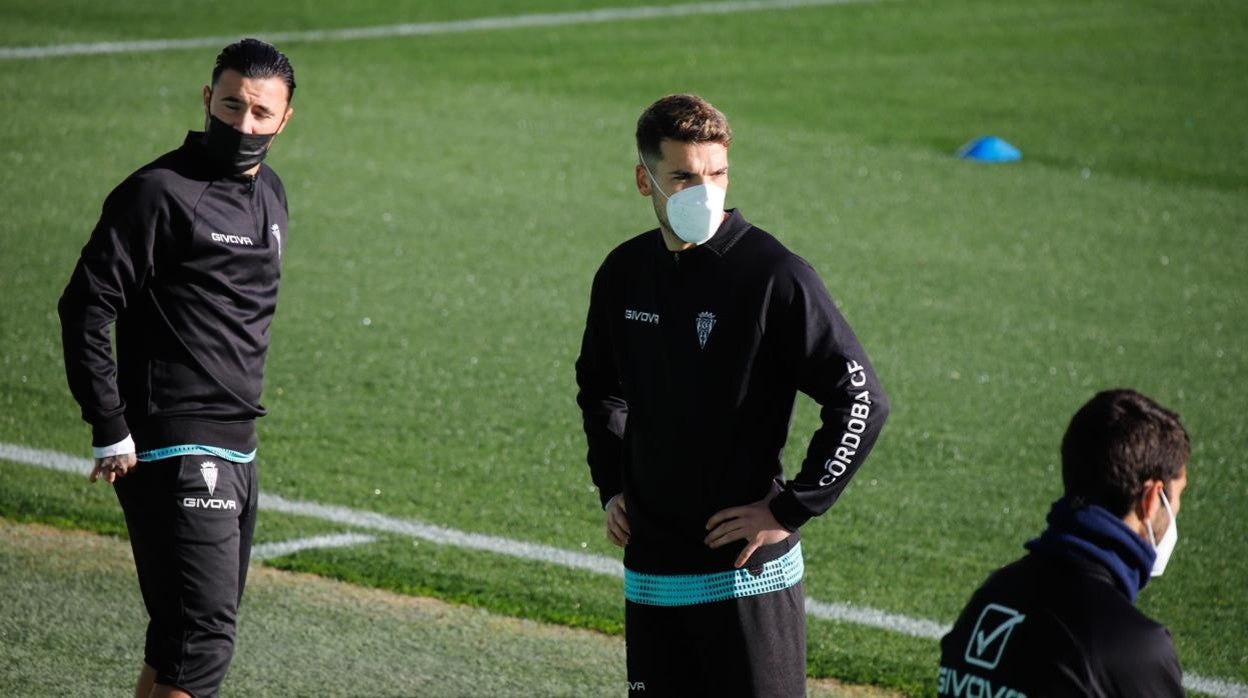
point(705, 322)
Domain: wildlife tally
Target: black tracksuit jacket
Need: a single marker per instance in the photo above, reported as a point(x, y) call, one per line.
point(1080, 635)
point(186, 261)
point(688, 372)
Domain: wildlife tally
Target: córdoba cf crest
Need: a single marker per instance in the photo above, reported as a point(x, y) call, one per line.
point(705, 323)
point(209, 470)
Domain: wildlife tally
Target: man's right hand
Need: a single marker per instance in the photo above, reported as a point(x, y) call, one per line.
point(113, 467)
point(617, 521)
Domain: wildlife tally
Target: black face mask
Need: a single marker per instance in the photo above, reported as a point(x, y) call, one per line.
point(233, 150)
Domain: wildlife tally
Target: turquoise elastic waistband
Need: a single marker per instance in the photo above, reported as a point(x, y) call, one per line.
point(195, 450)
point(691, 589)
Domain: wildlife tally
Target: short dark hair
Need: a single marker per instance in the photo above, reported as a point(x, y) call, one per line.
point(1115, 443)
point(684, 118)
point(256, 59)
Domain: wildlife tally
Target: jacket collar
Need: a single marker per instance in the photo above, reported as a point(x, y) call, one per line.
point(1091, 533)
point(725, 238)
point(730, 232)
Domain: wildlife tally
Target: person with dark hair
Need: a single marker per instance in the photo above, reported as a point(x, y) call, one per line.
point(256, 60)
point(699, 335)
point(185, 262)
point(1061, 621)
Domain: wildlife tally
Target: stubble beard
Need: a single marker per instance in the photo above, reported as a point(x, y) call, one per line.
point(660, 212)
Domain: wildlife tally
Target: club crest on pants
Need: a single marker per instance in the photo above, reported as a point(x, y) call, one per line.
point(209, 470)
point(705, 323)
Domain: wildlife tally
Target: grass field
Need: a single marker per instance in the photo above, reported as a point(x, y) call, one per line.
point(452, 195)
point(384, 643)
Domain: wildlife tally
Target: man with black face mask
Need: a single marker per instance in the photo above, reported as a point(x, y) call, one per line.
point(1061, 621)
point(185, 261)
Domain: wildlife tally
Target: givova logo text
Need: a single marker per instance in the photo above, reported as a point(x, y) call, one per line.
point(951, 682)
point(641, 316)
point(201, 503)
point(208, 470)
point(232, 239)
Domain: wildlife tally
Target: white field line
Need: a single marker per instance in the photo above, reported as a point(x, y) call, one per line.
point(841, 612)
point(268, 551)
point(444, 536)
point(460, 26)
point(875, 618)
point(1215, 687)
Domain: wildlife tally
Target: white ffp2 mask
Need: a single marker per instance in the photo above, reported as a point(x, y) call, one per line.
point(1168, 539)
point(694, 212)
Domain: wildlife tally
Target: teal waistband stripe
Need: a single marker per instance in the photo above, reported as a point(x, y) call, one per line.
point(691, 589)
point(195, 450)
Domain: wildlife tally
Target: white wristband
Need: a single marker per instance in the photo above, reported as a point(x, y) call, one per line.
point(122, 447)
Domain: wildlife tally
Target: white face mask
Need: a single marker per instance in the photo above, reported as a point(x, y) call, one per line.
point(1168, 539)
point(694, 212)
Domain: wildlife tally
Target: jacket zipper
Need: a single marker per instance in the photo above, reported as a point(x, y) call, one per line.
point(251, 205)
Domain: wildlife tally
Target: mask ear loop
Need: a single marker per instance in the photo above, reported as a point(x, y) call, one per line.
point(651, 174)
point(1165, 502)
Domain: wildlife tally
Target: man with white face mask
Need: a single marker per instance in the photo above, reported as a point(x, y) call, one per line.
point(700, 333)
point(1061, 621)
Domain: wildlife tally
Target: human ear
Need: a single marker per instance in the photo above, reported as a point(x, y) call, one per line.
point(643, 181)
point(1150, 500)
point(290, 111)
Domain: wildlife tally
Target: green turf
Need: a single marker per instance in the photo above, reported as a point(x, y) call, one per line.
point(299, 635)
point(296, 637)
point(38, 23)
point(459, 191)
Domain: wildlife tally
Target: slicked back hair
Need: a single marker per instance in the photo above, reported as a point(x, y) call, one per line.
point(684, 118)
point(257, 60)
point(1115, 443)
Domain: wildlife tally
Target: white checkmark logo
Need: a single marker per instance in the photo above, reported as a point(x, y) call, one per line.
point(1005, 620)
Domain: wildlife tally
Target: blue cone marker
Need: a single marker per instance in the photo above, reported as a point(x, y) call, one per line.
point(989, 149)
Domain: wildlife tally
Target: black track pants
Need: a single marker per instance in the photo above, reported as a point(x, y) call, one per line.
point(191, 521)
point(753, 646)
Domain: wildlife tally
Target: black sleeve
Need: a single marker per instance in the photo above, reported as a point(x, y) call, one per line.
point(1152, 670)
point(603, 410)
point(111, 268)
point(832, 368)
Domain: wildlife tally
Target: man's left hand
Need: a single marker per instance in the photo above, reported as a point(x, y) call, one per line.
point(112, 467)
point(752, 523)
